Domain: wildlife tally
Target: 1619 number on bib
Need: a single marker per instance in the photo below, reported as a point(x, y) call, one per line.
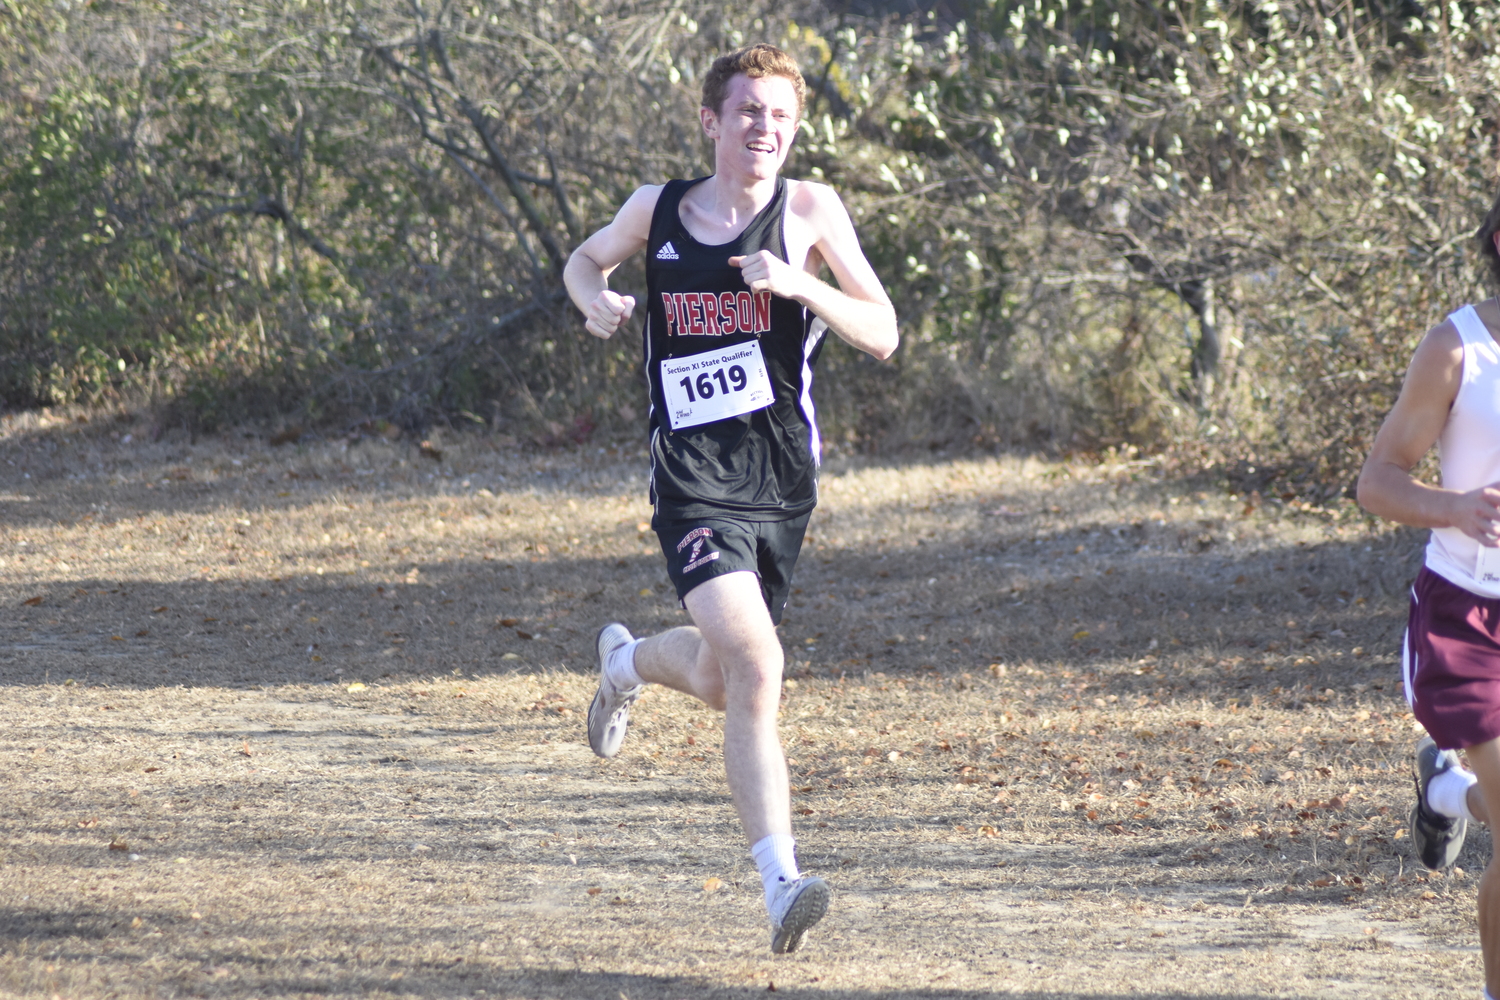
point(715, 385)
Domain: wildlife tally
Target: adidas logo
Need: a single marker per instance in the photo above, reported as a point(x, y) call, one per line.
point(667, 252)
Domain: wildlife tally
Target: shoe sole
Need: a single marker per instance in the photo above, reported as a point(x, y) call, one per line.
point(1453, 837)
point(596, 706)
point(806, 910)
point(1452, 849)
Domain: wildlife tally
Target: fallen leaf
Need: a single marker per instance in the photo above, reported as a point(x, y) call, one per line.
point(119, 844)
point(645, 592)
point(157, 611)
point(523, 635)
point(509, 622)
point(32, 602)
point(594, 890)
point(356, 686)
point(430, 450)
point(245, 749)
point(713, 884)
point(142, 633)
point(88, 824)
point(150, 769)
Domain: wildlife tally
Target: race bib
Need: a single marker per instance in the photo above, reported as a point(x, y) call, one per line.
point(715, 385)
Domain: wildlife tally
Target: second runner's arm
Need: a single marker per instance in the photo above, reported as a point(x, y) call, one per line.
point(1386, 485)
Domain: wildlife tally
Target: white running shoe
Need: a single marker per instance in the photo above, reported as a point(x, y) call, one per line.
point(609, 714)
point(796, 907)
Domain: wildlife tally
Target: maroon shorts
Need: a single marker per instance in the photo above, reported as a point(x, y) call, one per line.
point(1450, 660)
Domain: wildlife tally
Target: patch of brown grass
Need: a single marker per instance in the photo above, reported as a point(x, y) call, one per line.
point(1051, 728)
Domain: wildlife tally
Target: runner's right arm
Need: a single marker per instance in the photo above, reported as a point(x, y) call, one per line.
point(1386, 486)
point(588, 270)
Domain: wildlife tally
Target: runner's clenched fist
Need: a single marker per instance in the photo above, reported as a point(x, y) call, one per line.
point(606, 313)
point(763, 271)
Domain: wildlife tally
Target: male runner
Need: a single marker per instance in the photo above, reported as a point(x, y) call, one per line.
point(1451, 652)
point(735, 318)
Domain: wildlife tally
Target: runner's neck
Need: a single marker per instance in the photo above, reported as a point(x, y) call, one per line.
point(719, 209)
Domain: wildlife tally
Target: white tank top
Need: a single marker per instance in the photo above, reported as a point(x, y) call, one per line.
point(1469, 449)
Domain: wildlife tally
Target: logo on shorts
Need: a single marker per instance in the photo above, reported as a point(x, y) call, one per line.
point(695, 535)
point(667, 252)
point(696, 538)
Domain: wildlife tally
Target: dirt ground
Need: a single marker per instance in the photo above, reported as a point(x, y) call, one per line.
point(307, 721)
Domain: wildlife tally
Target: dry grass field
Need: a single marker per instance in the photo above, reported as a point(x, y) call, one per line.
point(307, 721)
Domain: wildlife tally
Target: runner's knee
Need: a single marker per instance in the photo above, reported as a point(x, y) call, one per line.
point(756, 677)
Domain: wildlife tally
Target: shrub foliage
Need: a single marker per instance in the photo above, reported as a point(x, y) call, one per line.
point(1212, 230)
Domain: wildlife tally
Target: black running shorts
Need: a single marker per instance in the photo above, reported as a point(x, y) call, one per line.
point(701, 548)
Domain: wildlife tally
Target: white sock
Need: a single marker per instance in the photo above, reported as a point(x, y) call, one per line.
point(1448, 793)
point(776, 857)
point(619, 666)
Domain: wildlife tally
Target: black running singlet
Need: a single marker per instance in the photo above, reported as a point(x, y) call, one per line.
point(732, 423)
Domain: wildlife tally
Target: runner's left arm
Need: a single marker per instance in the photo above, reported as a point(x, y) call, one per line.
point(858, 310)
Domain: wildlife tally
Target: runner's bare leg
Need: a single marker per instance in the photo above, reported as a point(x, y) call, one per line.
point(731, 659)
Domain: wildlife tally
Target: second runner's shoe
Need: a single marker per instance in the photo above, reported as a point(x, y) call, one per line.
point(797, 906)
point(609, 714)
point(1437, 838)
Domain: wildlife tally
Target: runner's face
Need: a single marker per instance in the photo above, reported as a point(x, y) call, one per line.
point(754, 132)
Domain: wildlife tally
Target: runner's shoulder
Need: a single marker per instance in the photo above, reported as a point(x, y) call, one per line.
point(818, 205)
point(805, 196)
point(1436, 366)
point(646, 192)
point(640, 206)
point(1443, 341)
